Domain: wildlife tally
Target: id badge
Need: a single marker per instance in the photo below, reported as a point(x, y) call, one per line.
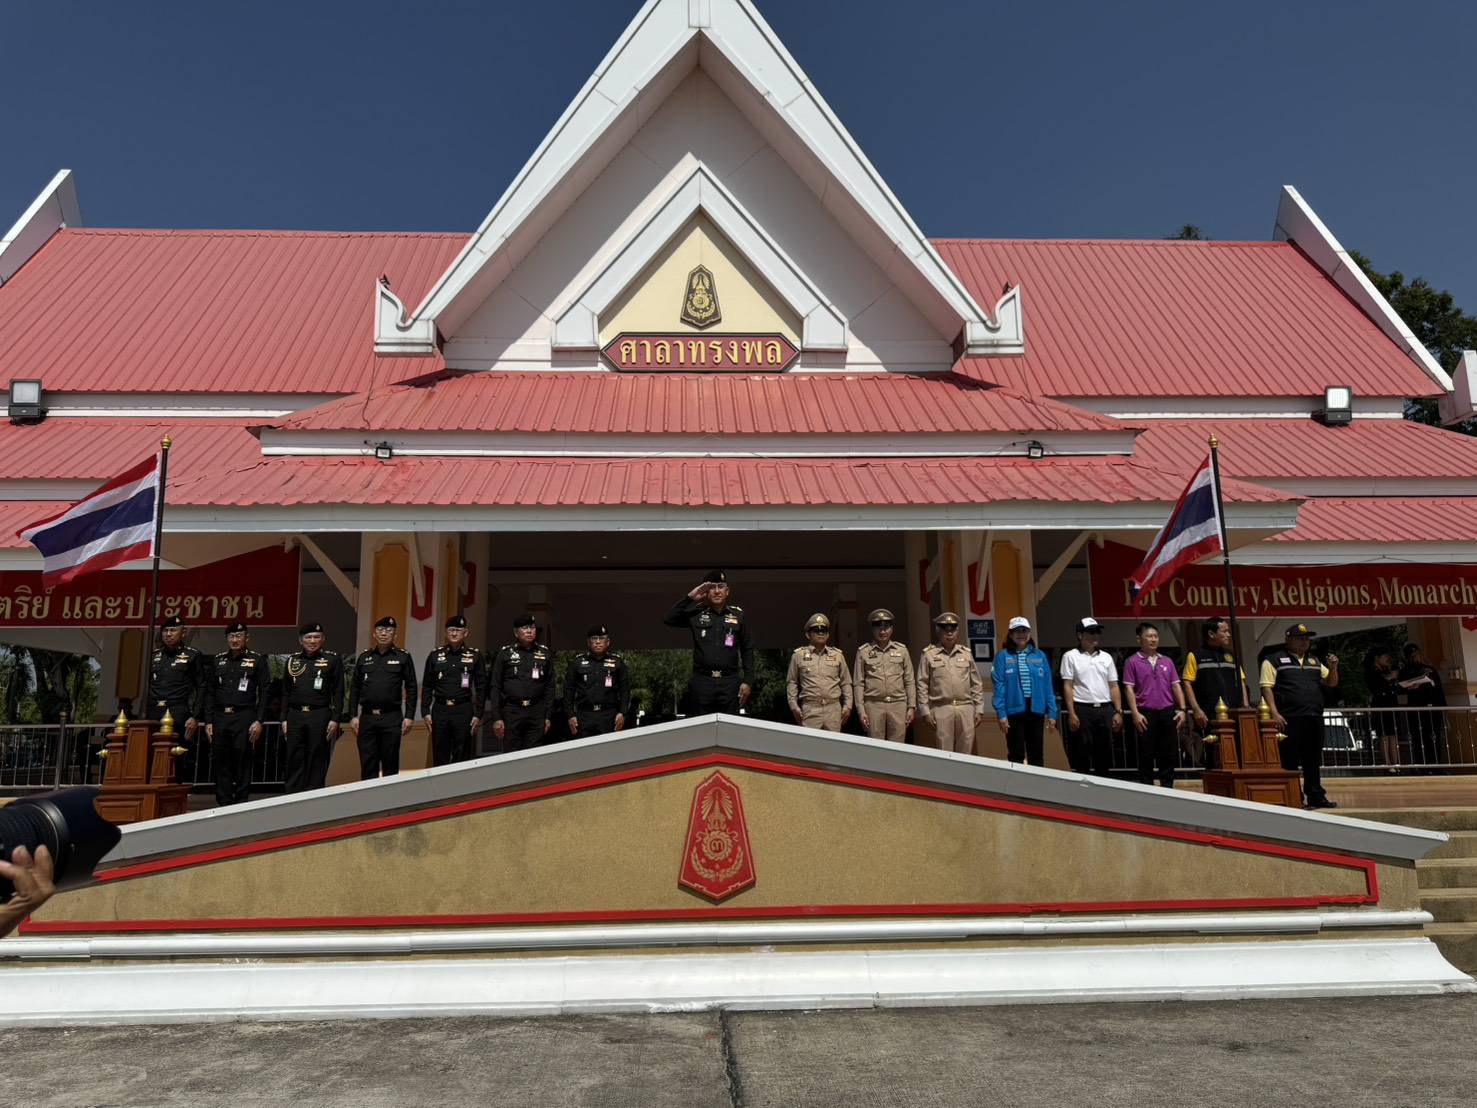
point(244, 682)
point(609, 681)
point(728, 639)
point(534, 674)
point(318, 682)
point(466, 679)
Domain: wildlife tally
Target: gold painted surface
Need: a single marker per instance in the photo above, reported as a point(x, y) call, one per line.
point(619, 848)
point(654, 302)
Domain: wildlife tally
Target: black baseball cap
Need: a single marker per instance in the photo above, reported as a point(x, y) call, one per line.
point(1299, 629)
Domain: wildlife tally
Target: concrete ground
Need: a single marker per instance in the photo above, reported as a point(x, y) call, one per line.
point(1391, 1053)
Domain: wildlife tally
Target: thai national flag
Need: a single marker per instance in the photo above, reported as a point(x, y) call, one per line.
point(1192, 532)
point(113, 525)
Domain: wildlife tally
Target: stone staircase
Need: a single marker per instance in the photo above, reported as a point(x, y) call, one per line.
point(1448, 876)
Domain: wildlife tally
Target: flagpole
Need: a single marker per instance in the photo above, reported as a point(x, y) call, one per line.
point(1220, 517)
point(154, 577)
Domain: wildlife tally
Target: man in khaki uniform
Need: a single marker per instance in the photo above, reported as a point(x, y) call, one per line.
point(950, 692)
point(886, 696)
point(819, 684)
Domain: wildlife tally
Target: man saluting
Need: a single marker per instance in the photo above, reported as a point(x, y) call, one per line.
point(722, 653)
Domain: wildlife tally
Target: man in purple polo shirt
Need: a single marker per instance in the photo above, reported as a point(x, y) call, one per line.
point(1157, 704)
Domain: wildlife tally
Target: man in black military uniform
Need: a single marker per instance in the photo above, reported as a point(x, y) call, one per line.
point(236, 689)
point(176, 683)
point(382, 701)
point(597, 688)
point(312, 700)
point(453, 690)
point(722, 653)
point(1292, 683)
point(522, 689)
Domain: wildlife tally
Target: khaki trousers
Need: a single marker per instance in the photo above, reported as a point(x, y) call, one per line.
point(887, 719)
point(821, 716)
point(955, 726)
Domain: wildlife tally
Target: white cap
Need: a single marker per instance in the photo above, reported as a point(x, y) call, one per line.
point(1019, 622)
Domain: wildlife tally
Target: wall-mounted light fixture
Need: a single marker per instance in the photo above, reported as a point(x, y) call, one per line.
point(1035, 450)
point(383, 451)
point(25, 400)
point(1338, 406)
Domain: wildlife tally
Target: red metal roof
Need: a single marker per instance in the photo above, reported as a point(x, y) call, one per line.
point(1443, 519)
point(59, 449)
point(1366, 448)
point(16, 514)
point(211, 311)
point(682, 482)
point(692, 403)
point(1157, 318)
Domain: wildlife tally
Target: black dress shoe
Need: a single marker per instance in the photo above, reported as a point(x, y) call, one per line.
point(1324, 803)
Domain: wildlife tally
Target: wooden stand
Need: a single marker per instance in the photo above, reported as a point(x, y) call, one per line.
point(138, 775)
point(1249, 766)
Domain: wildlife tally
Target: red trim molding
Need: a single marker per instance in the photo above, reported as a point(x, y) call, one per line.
point(698, 912)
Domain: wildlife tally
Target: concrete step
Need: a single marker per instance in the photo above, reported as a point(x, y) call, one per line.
point(1447, 873)
point(1463, 844)
point(1451, 905)
point(1457, 943)
point(1431, 819)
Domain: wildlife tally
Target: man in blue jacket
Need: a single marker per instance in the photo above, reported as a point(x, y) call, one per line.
point(1024, 700)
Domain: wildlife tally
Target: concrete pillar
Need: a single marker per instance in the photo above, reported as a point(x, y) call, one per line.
point(914, 619)
point(845, 621)
point(542, 607)
point(476, 566)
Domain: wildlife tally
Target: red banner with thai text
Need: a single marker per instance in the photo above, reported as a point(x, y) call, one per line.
point(1382, 588)
point(260, 588)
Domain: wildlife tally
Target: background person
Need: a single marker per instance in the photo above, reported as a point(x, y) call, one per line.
point(1293, 680)
point(1157, 705)
point(818, 683)
point(1024, 700)
point(886, 692)
point(1423, 689)
point(1210, 675)
point(1382, 679)
point(237, 687)
point(951, 695)
point(1094, 701)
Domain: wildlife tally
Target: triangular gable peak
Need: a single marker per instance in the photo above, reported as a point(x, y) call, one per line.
point(699, 117)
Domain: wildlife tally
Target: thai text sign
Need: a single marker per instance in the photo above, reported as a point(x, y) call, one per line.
point(678, 353)
point(1391, 589)
point(259, 588)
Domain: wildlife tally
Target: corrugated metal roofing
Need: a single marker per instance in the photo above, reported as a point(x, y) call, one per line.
point(1443, 519)
point(16, 514)
point(211, 311)
point(556, 482)
point(95, 449)
point(691, 403)
point(1175, 318)
point(1366, 448)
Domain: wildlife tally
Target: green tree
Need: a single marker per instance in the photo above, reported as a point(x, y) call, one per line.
point(1189, 233)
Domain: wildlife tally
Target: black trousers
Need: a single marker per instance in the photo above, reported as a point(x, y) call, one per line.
point(1090, 747)
point(379, 743)
point(230, 749)
point(1158, 745)
point(523, 728)
point(451, 732)
point(187, 764)
point(1023, 742)
point(706, 693)
point(307, 748)
point(599, 721)
point(1303, 749)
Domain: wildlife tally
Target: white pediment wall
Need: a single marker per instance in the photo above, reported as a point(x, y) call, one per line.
point(696, 126)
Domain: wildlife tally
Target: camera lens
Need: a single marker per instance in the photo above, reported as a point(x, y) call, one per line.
point(67, 824)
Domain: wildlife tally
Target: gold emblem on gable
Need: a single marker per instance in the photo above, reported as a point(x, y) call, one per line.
point(700, 305)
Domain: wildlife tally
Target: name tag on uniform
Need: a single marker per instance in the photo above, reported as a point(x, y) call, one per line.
point(609, 681)
point(728, 639)
point(466, 679)
point(245, 680)
point(534, 674)
point(318, 681)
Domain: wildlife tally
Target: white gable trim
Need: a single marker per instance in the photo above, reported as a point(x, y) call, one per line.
point(661, 45)
point(1298, 224)
point(56, 207)
point(578, 326)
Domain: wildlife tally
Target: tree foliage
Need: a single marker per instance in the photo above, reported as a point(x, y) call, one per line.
point(1190, 233)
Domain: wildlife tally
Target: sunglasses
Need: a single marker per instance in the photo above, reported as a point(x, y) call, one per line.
point(818, 630)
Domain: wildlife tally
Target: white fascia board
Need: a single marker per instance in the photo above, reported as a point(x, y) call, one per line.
point(1021, 515)
point(46, 490)
point(1299, 224)
point(578, 326)
point(1460, 404)
point(1229, 407)
point(658, 47)
point(1393, 485)
point(542, 444)
point(204, 405)
point(1356, 553)
point(54, 208)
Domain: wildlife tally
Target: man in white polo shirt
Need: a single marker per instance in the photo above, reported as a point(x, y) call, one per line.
point(1094, 702)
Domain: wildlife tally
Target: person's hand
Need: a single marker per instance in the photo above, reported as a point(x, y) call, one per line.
point(192, 723)
point(210, 731)
point(700, 591)
point(1201, 719)
point(254, 732)
point(498, 727)
point(476, 723)
point(744, 691)
point(404, 727)
point(846, 715)
point(353, 726)
point(1278, 719)
point(799, 716)
point(333, 727)
point(1117, 721)
point(861, 717)
point(979, 718)
point(1331, 660)
point(620, 721)
point(547, 724)
point(1140, 722)
point(1179, 716)
point(574, 725)
point(1005, 724)
point(1072, 721)
point(32, 878)
point(1051, 722)
point(910, 717)
point(926, 717)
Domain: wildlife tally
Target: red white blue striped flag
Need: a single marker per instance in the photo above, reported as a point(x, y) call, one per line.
point(1192, 532)
point(111, 526)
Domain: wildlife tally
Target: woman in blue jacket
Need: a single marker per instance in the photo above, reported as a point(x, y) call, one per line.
point(1024, 699)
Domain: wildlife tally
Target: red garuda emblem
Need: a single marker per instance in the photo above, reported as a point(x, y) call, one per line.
point(716, 860)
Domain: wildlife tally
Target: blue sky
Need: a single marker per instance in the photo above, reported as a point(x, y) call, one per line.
point(993, 119)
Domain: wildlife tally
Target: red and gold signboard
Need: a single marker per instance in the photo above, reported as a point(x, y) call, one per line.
point(716, 859)
point(259, 587)
point(1396, 590)
point(678, 353)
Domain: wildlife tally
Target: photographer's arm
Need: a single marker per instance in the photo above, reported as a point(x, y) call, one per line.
point(33, 885)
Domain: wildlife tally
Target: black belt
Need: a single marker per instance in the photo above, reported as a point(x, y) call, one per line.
point(715, 672)
point(596, 708)
point(514, 703)
point(450, 703)
point(310, 707)
point(1093, 704)
point(380, 711)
